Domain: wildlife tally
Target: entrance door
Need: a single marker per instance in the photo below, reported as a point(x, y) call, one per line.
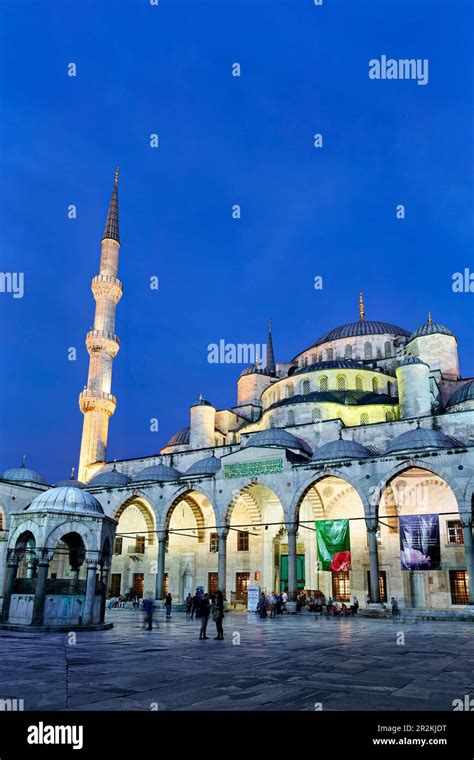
point(115, 583)
point(241, 585)
point(212, 583)
point(138, 584)
point(300, 572)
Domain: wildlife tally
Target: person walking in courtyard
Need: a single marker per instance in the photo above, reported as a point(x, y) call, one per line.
point(189, 606)
point(204, 612)
point(262, 606)
point(273, 605)
point(195, 607)
point(218, 615)
point(355, 605)
point(395, 607)
point(168, 603)
point(148, 606)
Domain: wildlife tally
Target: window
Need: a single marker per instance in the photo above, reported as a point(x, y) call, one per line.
point(375, 385)
point(115, 583)
point(290, 391)
point(459, 586)
point(140, 545)
point(277, 394)
point(367, 350)
point(316, 415)
point(305, 387)
point(364, 419)
point(382, 584)
point(138, 583)
point(323, 383)
point(242, 541)
point(314, 359)
point(118, 545)
point(348, 352)
point(341, 383)
point(212, 583)
point(329, 354)
point(389, 416)
point(241, 585)
point(455, 532)
point(359, 383)
point(213, 542)
point(388, 349)
point(389, 388)
point(341, 587)
point(291, 418)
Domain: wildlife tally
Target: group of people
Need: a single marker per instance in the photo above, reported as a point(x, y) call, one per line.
point(274, 603)
point(202, 606)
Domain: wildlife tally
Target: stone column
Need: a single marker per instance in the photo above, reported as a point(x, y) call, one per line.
point(372, 526)
point(40, 592)
point(104, 577)
point(469, 552)
point(222, 560)
point(12, 569)
point(30, 568)
point(88, 614)
point(292, 573)
point(160, 574)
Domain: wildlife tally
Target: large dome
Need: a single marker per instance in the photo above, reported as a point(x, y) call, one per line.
point(464, 393)
point(68, 500)
point(341, 449)
point(361, 327)
point(207, 466)
point(159, 472)
point(109, 479)
point(279, 438)
point(23, 474)
point(423, 438)
point(180, 438)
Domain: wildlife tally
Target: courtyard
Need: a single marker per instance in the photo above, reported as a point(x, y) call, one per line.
point(301, 663)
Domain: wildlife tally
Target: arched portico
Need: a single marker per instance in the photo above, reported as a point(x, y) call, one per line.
point(134, 550)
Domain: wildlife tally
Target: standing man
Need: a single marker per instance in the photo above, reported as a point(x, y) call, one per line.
point(168, 603)
point(148, 606)
point(204, 612)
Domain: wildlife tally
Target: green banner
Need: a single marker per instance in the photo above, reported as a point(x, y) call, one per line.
point(334, 545)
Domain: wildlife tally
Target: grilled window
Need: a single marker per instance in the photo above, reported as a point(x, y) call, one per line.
point(242, 541)
point(455, 532)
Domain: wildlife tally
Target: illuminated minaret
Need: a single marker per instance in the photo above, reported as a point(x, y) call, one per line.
point(96, 401)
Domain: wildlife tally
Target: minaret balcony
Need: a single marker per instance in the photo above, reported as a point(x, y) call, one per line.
point(91, 400)
point(107, 286)
point(100, 340)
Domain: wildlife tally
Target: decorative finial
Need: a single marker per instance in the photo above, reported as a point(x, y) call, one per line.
point(201, 397)
point(270, 326)
point(23, 460)
point(418, 424)
point(257, 361)
point(72, 476)
point(340, 434)
point(430, 321)
point(361, 306)
point(116, 174)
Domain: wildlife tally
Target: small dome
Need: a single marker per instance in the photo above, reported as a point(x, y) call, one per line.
point(207, 466)
point(109, 479)
point(159, 472)
point(23, 474)
point(278, 437)
point(341, 449)
point(201, 402)
point(180, 438)
point(66, 499)
point(412, 360)
point(255, 369)
point(464, 393)
point(422, 438)
point(430, 328)
point(72, 482)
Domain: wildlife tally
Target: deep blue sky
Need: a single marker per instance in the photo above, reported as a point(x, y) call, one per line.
point(223, 140)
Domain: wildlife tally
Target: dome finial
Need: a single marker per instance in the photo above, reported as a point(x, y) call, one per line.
point(73, 474)
point(201, 397)
point(116, 175)
point(361, 306)
point(430, 320)
point(418, 424)
point(23, 460)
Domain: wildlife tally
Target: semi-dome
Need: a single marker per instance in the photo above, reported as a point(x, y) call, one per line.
point(160, 472)
point(67, 500)
point(23, 474)
point(464, 393)
point(430, 328)
point(279, 438)
point(423, 438)
point(361, 327)
point(412, 360)
point(180, 438)
point(109, 479)
point(208, 466)
point(341, 449)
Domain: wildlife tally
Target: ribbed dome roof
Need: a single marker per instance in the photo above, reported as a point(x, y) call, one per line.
point(423, 438)
point(67, 499)
point(23, 474)
point(160, 472)
point(207, 466)
point(430, 328)
point(464, 393)
point(361, 327)
point(201, 402)
point(71, 482)
point(412, 360)
point(341, 449)
point(179, 438)
point(336, 364)
point(110, 479)
point(279, 438)
point(255, 369)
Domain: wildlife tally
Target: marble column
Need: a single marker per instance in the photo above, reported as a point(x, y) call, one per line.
point(222, 560)
point(372, 526)
point(89, 600)
point(40, 592)
point(160, 573)
point(104, 577)
point(469, 552)
point(292, 571)
point(12, 569)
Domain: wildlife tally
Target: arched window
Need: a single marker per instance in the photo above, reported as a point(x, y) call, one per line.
point(323, 383)
point(364, 419)
point(316, 415)
point(389, 388)
point(305, 387)
point(348, 352)
point(290, 390)
point(277, 394)
point(291, 418)
point(389, 416)
point(388, 349)
point(329, 354)
point(375, 385)
point(368, 350)
point(314, 359)
point(359, 383)
point(341, 383)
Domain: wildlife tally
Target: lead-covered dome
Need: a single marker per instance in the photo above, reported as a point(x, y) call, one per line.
point(255, 369)
point(279, 438)
point(341, 449)
point(409, 360)
point(464, 393)
point(335, 364)
point(430, 328)
point(208, 466)
point(109, 479)
point(23, 474)
point(361, 327)
point(180, 438)
point(160, 472)
point(423, 438)
point(66, 500)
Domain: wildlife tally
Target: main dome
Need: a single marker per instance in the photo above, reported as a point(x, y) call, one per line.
point(362, 327)
point(67, 499)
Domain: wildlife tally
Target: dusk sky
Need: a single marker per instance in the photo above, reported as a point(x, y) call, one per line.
point(223, 140)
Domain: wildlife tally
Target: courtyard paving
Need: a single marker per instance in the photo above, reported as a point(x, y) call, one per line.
point(291, 663)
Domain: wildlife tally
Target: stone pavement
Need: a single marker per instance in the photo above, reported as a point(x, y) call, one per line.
point(291, 663)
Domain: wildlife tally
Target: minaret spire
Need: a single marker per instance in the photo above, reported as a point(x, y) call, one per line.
point(270, 359)
point(361, 306)
point(96, 401)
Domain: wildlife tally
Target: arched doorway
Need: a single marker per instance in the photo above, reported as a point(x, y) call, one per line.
point(134, 550)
